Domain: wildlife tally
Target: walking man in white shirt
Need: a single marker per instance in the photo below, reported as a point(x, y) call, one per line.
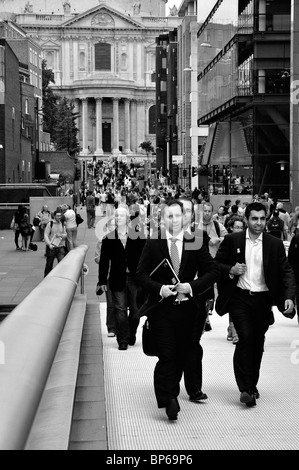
point(255, 275)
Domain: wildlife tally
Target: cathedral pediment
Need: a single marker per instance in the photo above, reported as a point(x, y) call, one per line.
point(47, 43)
point(103, 17)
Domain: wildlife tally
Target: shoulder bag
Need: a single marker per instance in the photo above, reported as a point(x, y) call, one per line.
point(148, 340)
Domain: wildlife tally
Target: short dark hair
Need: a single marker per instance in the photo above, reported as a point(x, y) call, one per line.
point(172, 202)
point(209, 204)
point(255, 206)
point(188, 199)
point(233, 219)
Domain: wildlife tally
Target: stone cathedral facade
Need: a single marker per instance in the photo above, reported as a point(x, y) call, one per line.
point(102, 54)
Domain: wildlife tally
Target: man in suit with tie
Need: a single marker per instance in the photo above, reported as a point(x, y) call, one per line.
point(255, 275)
point(176, 315)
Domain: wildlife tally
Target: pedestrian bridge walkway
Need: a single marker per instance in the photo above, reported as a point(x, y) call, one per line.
point(220, 423)
point(113, 405)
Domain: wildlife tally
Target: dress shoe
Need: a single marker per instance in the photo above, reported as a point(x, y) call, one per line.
point(247, 398)
point(123, 347)
point(198, 396)
point(172, 409)
point(256, 393)
point(132, 340)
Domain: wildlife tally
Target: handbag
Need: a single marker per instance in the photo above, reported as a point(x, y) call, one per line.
point(36, 221)
point(148, 340)
point(13, 224)
point(79, 219)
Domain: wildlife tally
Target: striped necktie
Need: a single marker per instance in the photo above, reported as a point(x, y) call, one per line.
point(175, 259)
point(174, 255)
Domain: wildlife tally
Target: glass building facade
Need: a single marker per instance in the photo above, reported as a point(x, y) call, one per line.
point(244, 95)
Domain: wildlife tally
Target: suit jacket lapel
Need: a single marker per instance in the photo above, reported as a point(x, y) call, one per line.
point(185, 254)
point(240, 247)
point(164, 246)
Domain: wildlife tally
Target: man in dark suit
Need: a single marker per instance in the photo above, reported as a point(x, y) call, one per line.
point(119, 258)
point(176, 315)
point(255, 275)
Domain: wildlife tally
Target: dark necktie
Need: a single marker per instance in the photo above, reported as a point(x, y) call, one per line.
point(175, 259)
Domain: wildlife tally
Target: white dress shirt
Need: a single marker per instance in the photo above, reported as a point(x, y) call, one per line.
point(253, 279)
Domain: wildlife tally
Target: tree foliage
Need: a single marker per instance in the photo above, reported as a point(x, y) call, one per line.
point(49, 99)
point(65, 129)
point(59, 117)
point(147, 147)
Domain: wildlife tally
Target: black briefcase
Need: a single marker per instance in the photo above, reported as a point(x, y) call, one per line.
point(148, 340)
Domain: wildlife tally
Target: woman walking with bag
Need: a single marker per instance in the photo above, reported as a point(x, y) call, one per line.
point(19, 215)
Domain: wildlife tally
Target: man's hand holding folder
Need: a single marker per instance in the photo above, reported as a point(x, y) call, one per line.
point(173, 286)
point(165, 271)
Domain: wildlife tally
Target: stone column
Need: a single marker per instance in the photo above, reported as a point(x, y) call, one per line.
point(127, 127)
point(115, 149)
point(77, 111)
point(140, 121)
point(99, 135)
point(134, 126)
point(84, 126)
point(148, 104)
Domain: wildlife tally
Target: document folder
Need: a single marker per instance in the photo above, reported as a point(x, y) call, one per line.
point(165, 271)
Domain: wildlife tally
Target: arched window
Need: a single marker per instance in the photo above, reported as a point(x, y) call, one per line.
point(82, 60)
point(124, 61)
point(50, 59)
point(152, 120)
point(102, 56)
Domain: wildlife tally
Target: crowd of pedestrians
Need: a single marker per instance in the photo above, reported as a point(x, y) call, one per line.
point(142, 224)
point(229, 259)
point(58, 230)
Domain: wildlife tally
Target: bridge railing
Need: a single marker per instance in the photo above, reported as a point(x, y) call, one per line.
point(29, 338)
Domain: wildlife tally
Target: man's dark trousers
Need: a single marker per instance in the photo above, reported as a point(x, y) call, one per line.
point(250, 315)
point(178, 332)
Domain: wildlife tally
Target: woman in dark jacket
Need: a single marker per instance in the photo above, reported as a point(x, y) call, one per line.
point(19, 215)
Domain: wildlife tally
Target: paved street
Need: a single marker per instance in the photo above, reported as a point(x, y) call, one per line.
point(21, 271)
point(222, 422)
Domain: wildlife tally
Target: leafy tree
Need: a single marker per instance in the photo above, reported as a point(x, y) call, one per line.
point(59, 118)
point(147, 147)
point(65, 130)
point(49, 99)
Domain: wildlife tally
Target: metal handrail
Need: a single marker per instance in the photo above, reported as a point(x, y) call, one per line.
point(29, 337)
